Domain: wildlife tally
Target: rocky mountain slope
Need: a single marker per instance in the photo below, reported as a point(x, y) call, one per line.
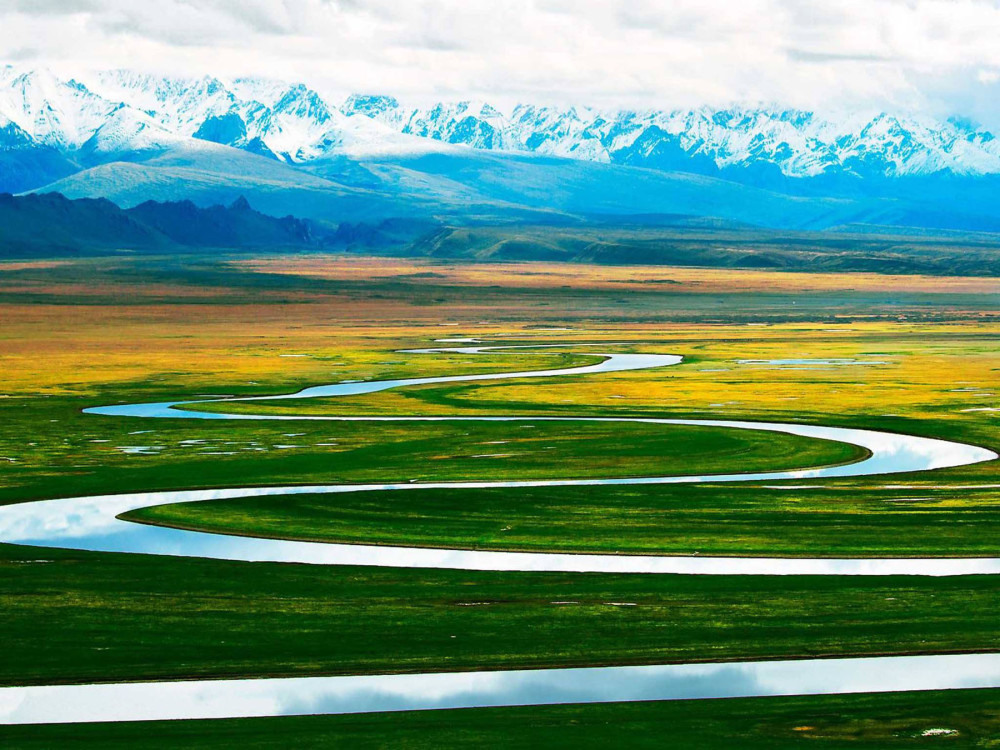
point(134, 137)
point(124, 110)
point(49, 224)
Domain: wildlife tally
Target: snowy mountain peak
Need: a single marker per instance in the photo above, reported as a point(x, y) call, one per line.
point(120, 110)
point(375, 106)
point(267, 91)
point(127, 130)
point(12, 137)
point(57, 113)
point(475, 124)
point(304, 104)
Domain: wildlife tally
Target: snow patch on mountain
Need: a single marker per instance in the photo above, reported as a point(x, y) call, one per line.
point(121, 111)
point(475, 124)
point(127, 130)
point(181, 105)
point(12, 136)
point(54, 112)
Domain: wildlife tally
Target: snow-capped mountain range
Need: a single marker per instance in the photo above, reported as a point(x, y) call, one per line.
point(97, 118)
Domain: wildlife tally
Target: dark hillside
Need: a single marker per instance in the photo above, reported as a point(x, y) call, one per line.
point(237, 225)
point(49, 224)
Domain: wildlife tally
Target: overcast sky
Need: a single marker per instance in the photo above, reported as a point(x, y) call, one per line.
point(936, 56)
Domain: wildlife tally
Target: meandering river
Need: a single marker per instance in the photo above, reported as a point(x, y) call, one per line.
point(93, 523)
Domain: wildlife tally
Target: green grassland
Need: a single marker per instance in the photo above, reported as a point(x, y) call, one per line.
point(433, 292)
point(59, 452)
point(944, 513)
point(853, 249)
point(954, 719)
point(797, 521)
point(199, 328)
point(85, 617)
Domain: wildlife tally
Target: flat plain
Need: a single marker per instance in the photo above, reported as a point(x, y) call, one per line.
point(911, 354)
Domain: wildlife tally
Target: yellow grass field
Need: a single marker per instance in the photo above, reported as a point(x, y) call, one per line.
point(542, 275)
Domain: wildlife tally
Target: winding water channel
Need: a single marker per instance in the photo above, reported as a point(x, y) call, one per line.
point(92, 523)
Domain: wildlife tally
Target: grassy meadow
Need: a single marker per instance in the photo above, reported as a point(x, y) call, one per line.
point(956, 718)
point(907, 354)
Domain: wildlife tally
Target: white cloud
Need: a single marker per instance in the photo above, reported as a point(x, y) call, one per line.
point(835, 53)
point(987, 77)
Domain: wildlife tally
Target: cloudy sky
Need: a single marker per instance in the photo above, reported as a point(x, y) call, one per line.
point(935, 56)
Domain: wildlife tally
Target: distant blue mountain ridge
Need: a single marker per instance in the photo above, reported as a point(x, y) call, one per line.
point(131, 137)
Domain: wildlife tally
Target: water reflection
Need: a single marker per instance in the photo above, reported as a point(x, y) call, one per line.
point(609, 363)
point(359, 694)
point(91, 523)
